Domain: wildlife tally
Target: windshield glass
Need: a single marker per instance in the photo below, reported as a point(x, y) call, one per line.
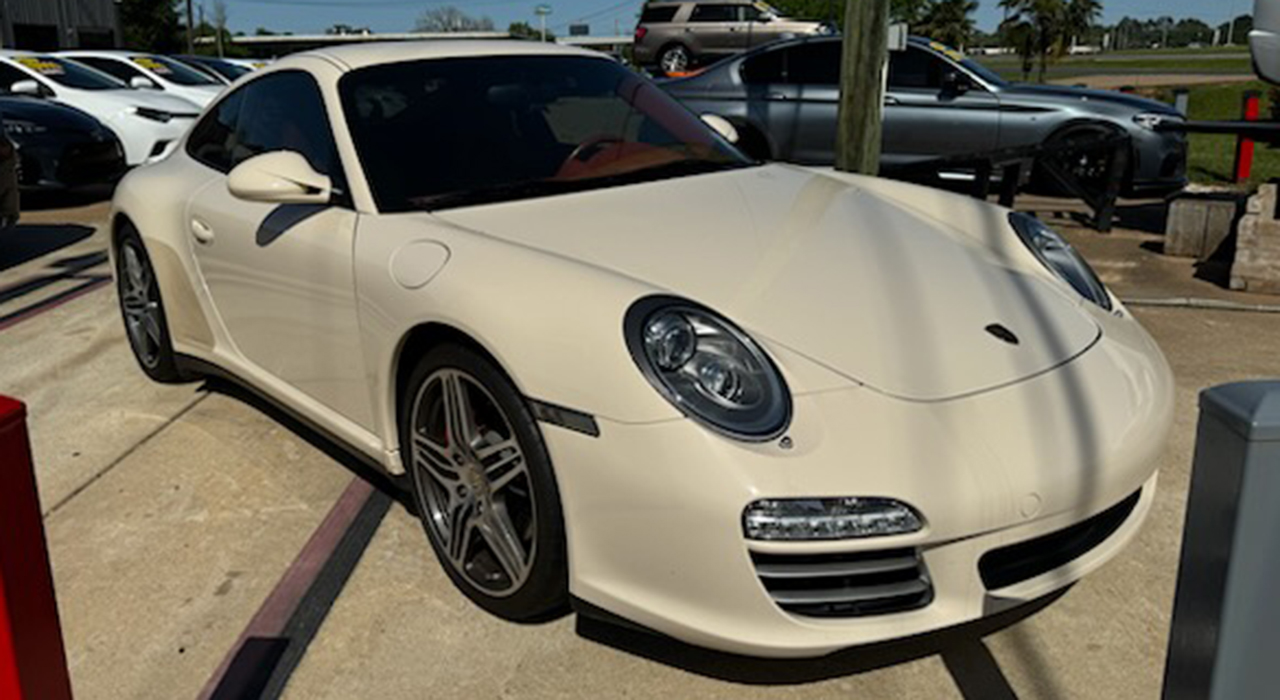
point(973, 66)
point(434, 134)
point(173, 71)
point(69, 73)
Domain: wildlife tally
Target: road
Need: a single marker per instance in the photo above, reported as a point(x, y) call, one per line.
point(173, 511)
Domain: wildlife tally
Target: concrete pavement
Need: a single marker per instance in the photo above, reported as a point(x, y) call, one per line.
point(172, 511)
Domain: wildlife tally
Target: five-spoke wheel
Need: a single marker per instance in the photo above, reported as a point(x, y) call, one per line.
point(483, 484)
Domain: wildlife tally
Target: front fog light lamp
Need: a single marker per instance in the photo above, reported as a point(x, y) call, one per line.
point(828, 518)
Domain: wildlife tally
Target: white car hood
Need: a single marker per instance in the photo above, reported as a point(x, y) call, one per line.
point(149, 98)
point(884, 295)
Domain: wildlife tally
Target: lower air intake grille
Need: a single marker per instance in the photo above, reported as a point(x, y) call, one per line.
point(1027, 560)
point(845, 585)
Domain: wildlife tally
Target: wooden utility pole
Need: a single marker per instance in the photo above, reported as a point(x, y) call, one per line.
point(866, 49)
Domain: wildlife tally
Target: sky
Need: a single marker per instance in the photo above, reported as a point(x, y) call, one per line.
point(314, 16)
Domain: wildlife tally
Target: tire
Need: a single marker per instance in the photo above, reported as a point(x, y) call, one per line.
point(1090, 167)
point(488, 503)
point(145, 324)
point(674, 58)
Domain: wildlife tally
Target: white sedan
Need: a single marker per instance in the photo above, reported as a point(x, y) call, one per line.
point(767, 409)
point(147, 71)
point(146, 123)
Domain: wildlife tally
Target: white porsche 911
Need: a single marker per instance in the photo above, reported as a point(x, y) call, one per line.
point(767, 409)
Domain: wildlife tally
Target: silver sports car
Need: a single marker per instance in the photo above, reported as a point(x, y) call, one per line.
point(783, 99)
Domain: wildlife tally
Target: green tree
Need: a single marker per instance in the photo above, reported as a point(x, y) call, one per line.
point(151, 25)
point(1078, 17)
point(948, 21)
point(450, 19)
point(523, 30)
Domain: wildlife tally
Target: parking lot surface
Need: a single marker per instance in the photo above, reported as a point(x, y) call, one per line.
point(172, 512)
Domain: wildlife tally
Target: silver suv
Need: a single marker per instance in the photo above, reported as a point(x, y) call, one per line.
point(677, 35)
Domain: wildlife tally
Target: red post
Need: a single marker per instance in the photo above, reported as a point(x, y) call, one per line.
point(33, 665)
point(1244, 146)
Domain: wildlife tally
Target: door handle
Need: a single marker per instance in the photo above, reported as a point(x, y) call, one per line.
point(201, 231)
point(777, 96)
point(891, 100)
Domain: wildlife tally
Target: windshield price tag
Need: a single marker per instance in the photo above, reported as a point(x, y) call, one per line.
point(151, 64)
point(43, 66)
point(947, 51)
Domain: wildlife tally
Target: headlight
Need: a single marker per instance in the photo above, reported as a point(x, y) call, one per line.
point(1150, 120)
point(1058, 255)
point(157, 115)
point(19, 127)
point(708, 368)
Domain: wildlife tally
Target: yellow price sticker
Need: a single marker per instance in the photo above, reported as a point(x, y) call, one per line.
point(43, 66)
point(151, 64)
point(947, 51)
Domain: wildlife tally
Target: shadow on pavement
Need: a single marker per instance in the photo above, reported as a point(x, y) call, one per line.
point(971, 664)
point(41, 201)
point(26, 242)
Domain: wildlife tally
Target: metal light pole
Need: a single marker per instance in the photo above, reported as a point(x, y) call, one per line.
point(542, 11)
point(191, 42)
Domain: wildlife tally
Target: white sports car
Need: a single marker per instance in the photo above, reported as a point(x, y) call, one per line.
point(767, 409)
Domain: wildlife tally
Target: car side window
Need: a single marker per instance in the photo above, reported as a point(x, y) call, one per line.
point(914, 68)
point(766, 68)
point(714, 13)
point(750, 13)
point(213, 138)
point(814, 63)
point(658, 15)
point(285, 111)
point(10, 75)
point(111, 67)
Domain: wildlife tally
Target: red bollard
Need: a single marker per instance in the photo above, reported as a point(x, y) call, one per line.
point(33, 664)
point(1244, 146)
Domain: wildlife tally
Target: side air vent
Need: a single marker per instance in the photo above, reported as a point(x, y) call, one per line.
point(845, 585)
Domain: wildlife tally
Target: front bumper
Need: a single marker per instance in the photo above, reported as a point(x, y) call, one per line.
point(61, 162)
point(653, 512)
point(1160, 164)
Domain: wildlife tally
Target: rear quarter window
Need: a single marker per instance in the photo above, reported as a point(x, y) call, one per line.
point(658, 15)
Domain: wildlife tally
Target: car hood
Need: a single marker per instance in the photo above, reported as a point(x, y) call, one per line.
point(1063, 93)
point(51, 115)
point(850, 279)
point(148, 98)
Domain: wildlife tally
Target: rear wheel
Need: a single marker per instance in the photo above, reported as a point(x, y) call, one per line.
point(483, 485)
point(674, 59)
point(144, 319)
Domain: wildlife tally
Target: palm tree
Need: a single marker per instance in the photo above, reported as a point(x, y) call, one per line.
point(1079, 17)
point(1036, 28)
point(949, 21)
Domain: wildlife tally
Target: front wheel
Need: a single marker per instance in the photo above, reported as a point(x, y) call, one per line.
point(483, 485)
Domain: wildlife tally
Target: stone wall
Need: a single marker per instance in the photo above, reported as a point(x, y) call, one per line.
point(1257, 263)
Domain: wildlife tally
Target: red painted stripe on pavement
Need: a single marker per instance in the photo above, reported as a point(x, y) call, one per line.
point(283, 600)
point(51, 304)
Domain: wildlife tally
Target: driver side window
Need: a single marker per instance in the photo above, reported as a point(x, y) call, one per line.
point(915, 69)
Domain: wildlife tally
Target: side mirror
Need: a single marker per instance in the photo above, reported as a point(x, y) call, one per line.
point(721, 126)
point(26, 87)
point(954, 83)
point(279, 177)
point(765, 17)
point(140, 82)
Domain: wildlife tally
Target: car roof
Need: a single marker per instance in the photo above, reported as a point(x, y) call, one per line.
point(116, 53)
point(377, 52)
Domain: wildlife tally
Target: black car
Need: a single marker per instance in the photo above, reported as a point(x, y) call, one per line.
point(59, 147)
point(784, 98)
point(214, 67)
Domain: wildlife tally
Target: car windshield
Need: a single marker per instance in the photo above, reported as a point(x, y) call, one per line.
point(442, 133)
point(69, 73)
point(230, 71)
point(971, 65)
point(172, 71)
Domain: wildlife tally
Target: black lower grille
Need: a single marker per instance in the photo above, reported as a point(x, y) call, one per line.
point(845, 585)
point(84, 164)
point(1026, 560)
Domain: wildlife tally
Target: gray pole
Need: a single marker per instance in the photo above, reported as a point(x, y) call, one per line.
point(191, 41)
point(866, 49)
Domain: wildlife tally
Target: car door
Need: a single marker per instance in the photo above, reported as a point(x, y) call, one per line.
point(280, 275)
point(772, 103)
point(718, 28)
point(924, 119)
point(813, 67)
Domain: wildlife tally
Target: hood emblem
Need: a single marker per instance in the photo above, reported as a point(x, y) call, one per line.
point(1002, 333)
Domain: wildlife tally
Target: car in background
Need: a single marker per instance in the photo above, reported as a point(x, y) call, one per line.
point(221, 70)
point(151, 72)
point(10, 198)
point(783, 99)
point(250, 63)
point(146, 122)
point(675, 36)
point(1264, 40)
point(60, 147)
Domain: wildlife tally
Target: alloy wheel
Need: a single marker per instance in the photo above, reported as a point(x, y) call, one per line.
point(141, 305)
point(472, 482)
point(675, 60)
